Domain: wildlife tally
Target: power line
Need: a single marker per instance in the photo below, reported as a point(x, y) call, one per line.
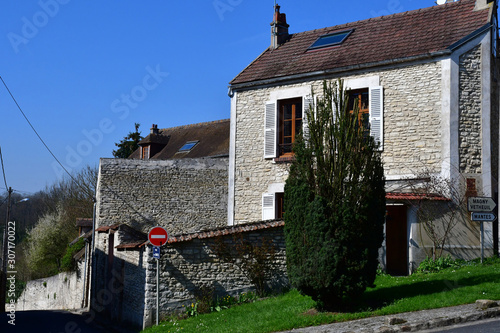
point(3, 169)
point(39, 137)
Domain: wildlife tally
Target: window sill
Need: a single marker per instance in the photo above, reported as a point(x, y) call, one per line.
point(285, 159)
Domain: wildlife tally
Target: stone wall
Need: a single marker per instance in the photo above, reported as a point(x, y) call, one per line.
point(470, 111)
point(186, 267)
point(412, 132)
point(186, 195)
point(118, 280)
point(60, 292)
point(125, 290)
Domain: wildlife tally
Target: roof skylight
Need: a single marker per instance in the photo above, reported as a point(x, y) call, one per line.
point(188, 146)
point(336, 38)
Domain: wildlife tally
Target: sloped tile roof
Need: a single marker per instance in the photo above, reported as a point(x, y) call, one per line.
point(84, 222)
point(213, 140)
point(415, 196)
point(392, 38)
point(226, 231)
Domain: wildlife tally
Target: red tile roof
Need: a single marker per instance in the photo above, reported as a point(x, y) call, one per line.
point(415, 196)
point(387, 39)
point(227, 231)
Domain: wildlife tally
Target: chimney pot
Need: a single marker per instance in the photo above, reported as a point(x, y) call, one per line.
point(154, 129)
point(279, 28)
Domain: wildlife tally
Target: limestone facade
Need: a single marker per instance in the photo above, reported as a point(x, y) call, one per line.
point(470, 111)
point(412, 140)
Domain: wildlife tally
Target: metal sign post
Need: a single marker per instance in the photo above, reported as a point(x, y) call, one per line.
point(480, 208)
point(157, 289)
point(157, 237)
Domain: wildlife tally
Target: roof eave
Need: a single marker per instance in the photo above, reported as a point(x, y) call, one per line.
point(470, 36)
point(319, 74)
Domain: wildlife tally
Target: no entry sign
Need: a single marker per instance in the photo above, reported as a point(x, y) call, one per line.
point(158, 236)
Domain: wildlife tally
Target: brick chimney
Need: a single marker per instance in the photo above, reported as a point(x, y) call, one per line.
point(279, 28)
point(154, 129)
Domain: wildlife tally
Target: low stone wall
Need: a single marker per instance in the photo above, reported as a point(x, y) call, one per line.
point(186, 267)
point(59, 292)
point(125, 289)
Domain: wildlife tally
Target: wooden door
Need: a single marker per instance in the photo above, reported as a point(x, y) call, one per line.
point(396, 240)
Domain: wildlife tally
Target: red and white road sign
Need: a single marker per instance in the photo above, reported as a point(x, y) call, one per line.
point(158, 236)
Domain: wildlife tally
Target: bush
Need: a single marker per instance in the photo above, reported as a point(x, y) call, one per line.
point(334, 205)
point(68, 263)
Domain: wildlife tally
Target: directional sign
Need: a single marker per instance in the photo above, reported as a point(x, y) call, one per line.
point(483, 217)
point(480, 204)
point(156, 252)
point(158, 236)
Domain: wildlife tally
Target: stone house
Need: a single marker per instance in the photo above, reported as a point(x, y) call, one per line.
point(426, 81)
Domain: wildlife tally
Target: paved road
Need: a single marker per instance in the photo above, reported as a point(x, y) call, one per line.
point(47, 322)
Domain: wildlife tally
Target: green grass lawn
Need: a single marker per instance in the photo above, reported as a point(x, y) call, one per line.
point(453, 286)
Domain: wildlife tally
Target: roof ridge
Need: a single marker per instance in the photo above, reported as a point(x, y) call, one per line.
point(196, 124)
point(413, 11)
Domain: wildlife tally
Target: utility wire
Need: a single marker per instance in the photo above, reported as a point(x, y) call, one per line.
point(3, 169)
point(39, 137)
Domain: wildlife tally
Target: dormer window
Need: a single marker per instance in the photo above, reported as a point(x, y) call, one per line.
point(145, 153)
point(188, 146)
point(328, 40)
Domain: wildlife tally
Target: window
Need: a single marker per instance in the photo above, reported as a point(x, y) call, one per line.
point(272, 206)
point(145, 152)
point(360, 99)
point(290, 124)
point(188, 146)
point(333, 39)
point(284, 120)
point(370, 116)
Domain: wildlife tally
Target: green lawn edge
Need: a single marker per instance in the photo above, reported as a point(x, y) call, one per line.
point(391, 295)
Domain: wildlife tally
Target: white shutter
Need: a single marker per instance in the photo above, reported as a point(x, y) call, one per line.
point(268, 208)
point(376, 108)
point(270, 130)
point(307, 103)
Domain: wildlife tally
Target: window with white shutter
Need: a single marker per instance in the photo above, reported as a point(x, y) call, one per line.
point(268, 206)
point(369, 103)
point(377, 115)
point(270, 130)
point(283, 122)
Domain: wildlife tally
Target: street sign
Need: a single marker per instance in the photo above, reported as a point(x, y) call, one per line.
point(156, 252)
point(483, 217)
point(480, 204)
point(158, 236)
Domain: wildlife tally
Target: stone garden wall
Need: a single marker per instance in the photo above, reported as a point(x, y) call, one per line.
point(126, 288)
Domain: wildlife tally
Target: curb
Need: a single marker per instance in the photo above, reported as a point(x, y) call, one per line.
point(412, 321)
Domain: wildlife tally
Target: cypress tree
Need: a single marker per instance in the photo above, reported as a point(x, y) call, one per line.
point(334, 204)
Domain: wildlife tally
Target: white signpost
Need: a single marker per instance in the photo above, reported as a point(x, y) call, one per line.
point(480, 208)
point(158, 237)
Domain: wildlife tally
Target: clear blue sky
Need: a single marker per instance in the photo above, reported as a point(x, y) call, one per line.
point(85, 71)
